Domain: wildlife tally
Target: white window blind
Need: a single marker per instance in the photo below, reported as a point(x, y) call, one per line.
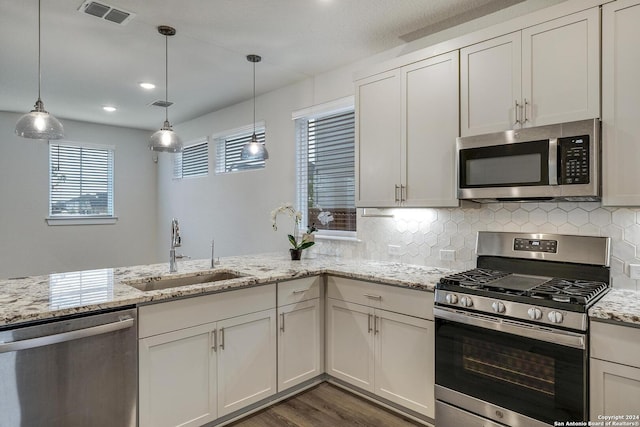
point(326, 171)
point(80, 181)
point(229, 148)
point(193, 161)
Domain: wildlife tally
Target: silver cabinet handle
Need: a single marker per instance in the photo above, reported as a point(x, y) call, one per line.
point(375, 325)
point(299, 291)
point(516, 110)
point(214, 335)
point(369, 323)
point(403, 193)
point(524, 107)
point(125, 322)
point(371, 296)
point(397, 198)
point(221, 338)
point(282, 322)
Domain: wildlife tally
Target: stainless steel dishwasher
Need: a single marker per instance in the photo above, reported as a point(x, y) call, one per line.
point(79, 371)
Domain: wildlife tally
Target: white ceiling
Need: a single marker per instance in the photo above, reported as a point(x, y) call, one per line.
point(88, 62)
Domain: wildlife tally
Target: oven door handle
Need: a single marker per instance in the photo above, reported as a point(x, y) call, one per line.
point(565, 338)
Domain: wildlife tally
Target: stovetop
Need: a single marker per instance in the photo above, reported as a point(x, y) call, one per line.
point(529, 288)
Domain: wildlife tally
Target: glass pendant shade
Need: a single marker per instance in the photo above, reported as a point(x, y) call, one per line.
point(39, 124)
point(166, 140)
point(254, 150)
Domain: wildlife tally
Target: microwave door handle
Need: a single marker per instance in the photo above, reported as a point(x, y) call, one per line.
point(553, 161)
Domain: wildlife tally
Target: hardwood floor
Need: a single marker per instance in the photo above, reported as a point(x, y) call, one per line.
point(324, 406)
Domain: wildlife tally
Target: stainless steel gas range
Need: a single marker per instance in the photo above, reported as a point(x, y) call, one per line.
point(511, 334)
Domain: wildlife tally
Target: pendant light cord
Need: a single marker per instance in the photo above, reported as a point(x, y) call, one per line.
point(39, 42)
point(254, 99)
point(166, 77)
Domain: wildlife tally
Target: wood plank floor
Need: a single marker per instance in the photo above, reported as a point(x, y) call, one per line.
point(324, 406)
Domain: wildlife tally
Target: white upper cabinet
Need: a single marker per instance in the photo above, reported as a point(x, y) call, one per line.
point(620, 100)
point(544, 74)
point(407, 123)
point(490, 85)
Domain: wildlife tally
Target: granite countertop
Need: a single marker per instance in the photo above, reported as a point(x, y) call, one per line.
point(618, 305)
point(60, 294)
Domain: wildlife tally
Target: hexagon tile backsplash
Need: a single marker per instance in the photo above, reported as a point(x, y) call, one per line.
point(416, 236)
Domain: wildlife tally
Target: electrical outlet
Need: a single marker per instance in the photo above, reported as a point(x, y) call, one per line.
point(447, 255)
point(394, 249)
point(634, 271)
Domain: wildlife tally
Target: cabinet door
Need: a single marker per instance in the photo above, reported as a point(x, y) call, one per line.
point(178, 378)
point(404, 361)
point(615, 389)
point(298, 343)
point(350, 343)
point(561, 69)
point(620, 100)
point(378, 133)
point(490, 85)
point(430, 105)
point(246, 360)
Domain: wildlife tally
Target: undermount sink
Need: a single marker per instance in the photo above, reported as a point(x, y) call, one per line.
point(176, 282)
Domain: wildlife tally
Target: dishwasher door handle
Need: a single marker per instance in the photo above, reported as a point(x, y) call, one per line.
point(124, 323)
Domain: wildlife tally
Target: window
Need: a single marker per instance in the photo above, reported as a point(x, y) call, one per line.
point(80, 181)
point(193, 161)
point(229, 147)
point(326, 171)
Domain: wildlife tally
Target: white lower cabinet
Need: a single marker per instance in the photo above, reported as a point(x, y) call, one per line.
point(192, 375)
point(178, 378)
point(299, 343)
point(614, 371)
point(386, 353)
point(246, 360)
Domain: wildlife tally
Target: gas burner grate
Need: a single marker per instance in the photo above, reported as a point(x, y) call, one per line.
point(474, 279)
point(567, 290)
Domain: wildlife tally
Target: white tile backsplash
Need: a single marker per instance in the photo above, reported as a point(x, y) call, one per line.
point(422, 233)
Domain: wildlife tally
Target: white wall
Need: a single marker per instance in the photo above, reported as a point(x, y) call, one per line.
point(28, 246)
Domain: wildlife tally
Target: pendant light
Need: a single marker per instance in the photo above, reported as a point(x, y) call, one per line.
point(38, 123)
point(254, 150)
point(166, 139)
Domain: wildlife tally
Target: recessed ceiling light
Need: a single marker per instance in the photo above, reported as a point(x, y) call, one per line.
point(109, 108)
point(147, 86)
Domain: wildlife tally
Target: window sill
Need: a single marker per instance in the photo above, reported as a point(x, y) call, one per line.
point(334, 237)
point(72, 220)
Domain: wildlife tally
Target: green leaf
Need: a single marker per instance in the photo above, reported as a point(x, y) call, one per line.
point(292, 240)
point(306, 245)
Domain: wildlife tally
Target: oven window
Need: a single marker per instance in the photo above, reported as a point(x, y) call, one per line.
point(507, 165)
point(539, 379)
point(512, 366)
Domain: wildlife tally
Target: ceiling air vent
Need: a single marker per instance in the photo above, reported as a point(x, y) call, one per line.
point(162, 104)
point(106, 12)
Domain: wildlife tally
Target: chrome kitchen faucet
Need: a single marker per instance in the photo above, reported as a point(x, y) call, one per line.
point(176, 241)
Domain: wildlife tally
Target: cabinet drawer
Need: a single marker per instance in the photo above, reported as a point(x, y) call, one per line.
point(298, 290)
point(393, 298)
point(174, 315)
point(616, 343)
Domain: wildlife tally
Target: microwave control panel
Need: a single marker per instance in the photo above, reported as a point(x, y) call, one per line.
point(574, 159)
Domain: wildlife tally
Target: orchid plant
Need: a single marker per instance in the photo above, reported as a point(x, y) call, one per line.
point(296, 242)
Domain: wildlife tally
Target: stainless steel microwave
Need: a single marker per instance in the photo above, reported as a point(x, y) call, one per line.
point(546, 163)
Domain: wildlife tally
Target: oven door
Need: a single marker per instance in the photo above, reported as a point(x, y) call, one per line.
point(508, 371)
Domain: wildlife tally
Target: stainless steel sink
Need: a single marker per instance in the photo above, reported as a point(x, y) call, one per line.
point(176, 282)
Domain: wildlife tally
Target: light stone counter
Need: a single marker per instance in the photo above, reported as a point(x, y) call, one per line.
point(618, 305)
point(60, 294)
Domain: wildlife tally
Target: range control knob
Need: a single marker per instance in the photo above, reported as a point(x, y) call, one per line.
point(498, 306)
point(534, 313)
point(466, 302)
point(555, 317)
point(451, 298)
